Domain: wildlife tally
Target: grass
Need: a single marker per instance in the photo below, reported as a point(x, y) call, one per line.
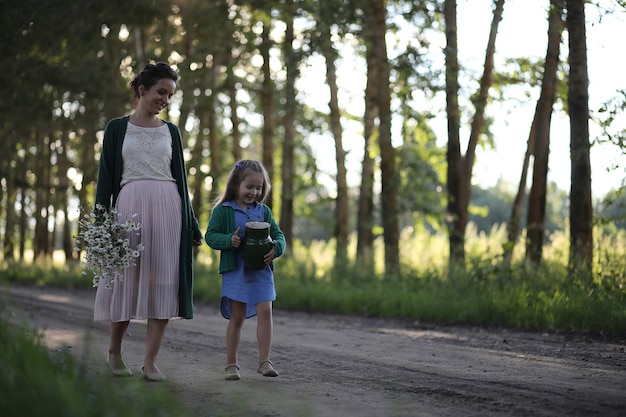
point(35, 382)
point(486, 293)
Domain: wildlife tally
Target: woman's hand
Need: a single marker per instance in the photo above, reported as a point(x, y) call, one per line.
point(235, 240)
point(197, 242)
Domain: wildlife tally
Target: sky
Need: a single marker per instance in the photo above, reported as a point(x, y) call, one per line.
point(522, 33)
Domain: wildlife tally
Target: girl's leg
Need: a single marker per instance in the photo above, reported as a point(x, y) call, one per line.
point(264, 329)
point(117, 330)
point(154, 338)
point(233, 331)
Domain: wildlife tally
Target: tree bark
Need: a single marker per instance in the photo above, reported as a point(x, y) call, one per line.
point(514, 223)
point(365, 216)
point(453, 155)
point(581, 208)
point(10, 199)
point(535, 223)
point(234, 114)
point(289, 120)
point(389, 182)
point(40, 244)
point(460, 174)
point(267, 106)
point(341, 201)
point(64, 193)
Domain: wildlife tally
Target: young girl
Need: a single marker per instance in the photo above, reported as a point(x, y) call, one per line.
point(245, 292)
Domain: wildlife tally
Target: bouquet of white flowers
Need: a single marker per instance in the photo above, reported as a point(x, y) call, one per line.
point(106, 243)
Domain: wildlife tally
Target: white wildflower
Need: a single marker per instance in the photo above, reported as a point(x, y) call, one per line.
point(106, 243)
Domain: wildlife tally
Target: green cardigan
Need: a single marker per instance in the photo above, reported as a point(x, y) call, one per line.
point(221, 228)
point(108, 188)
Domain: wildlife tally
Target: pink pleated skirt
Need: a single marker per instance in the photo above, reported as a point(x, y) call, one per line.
point(150, 287)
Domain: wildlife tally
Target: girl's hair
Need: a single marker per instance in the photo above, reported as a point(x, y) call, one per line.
point(238, 173)
point(150, 75)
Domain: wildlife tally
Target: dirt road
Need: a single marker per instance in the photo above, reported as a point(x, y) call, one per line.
point(351, 366)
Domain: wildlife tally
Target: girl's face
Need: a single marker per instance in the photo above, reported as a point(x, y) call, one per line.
point(158, 96)
point(249, 189)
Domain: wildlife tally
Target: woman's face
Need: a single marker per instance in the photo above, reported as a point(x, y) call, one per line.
point(249, 189)
point(158, 96)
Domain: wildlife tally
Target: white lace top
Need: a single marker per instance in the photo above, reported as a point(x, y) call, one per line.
point(147, 154)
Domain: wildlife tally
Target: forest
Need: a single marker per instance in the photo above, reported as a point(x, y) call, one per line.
point(66, 68)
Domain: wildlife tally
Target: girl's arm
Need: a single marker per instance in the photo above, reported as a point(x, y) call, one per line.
point(216, 236)
point(280, 244)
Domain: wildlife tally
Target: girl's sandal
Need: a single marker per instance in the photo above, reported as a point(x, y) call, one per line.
point(267, 369)
point(232, 372)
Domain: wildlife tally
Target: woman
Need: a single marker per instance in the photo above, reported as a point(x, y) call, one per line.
point(142, 173)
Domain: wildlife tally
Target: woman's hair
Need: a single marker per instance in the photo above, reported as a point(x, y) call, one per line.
point(238, 173)
point(150, 75)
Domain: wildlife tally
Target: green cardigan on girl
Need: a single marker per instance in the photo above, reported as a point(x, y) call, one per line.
point(221, 228)
point(108, 188)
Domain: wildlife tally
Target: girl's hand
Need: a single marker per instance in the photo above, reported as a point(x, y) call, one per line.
point(235, 240)
point(269, 256)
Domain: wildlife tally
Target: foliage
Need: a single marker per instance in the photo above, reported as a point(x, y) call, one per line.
point(612, 210)
point(492, 206)
point(35, 383)
point(486, 293)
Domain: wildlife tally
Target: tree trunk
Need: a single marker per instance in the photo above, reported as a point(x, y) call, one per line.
point(234, 114)
point(581, 209)
point(10, 198)
point(389, 182)
point(514, 223)
point(64, 193)
point(267, 106)
point(460, 175)
point(209, 122)
point(454, 159)
point(365, 216)
point(289, 120)
point(535, 224)
point(23, 226)
point(40, 244)
point(341, 202)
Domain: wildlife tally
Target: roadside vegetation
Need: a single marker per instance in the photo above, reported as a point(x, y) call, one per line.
point(37, 382)
point(54, 383)
point(485, 293)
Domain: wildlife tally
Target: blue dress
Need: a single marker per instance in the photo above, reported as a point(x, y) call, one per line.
point(241, 284)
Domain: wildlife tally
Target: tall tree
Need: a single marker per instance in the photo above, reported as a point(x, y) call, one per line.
point(460, 167)
point(365, 216)
point(341, 232)
point(540, 139)
point(453, 155)
point(375, 18)
point(289, 122)
point(268, 107)
point(581, 208)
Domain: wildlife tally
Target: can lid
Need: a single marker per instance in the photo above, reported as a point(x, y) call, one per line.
point(257, 225)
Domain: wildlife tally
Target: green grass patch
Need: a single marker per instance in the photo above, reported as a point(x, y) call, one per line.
point(485, 293)
point(34, 382)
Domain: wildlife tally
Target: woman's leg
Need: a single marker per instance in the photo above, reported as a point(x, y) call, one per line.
point(233, 331)
point(117, 330)
point(264, 329)
point(154, 338)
